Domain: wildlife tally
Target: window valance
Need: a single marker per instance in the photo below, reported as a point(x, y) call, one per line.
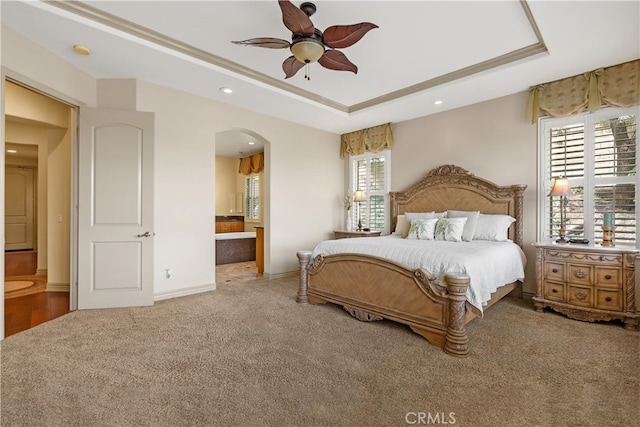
point(251, 164)
point(374, 139)
point(618, 86)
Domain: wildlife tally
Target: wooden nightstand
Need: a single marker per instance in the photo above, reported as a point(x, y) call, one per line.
point(344, 234)
point(587, 282)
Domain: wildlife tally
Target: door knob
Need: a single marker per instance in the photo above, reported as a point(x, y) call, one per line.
point(145, 234)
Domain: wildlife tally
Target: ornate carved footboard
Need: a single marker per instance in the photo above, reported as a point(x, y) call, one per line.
point(372, 288)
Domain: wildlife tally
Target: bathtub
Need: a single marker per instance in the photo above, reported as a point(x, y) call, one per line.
point(235, 247)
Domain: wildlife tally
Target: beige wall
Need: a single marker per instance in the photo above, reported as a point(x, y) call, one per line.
point(492, 140)
point(185, 196)
point(228, 184)
point(38, 120)
point(300, 161)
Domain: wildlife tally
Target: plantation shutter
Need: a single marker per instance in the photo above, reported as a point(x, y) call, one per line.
point(566, 148)
point(597, 155)
point(615, 170)
point(370, 173)
point(252, 197)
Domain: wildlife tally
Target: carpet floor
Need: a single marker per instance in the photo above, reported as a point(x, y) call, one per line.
point(249, 355)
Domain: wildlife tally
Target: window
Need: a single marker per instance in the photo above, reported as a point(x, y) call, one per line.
point(371, 172)
point(597, 154)
point(252, 198)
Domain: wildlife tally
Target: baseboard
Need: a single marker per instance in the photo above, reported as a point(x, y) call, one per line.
point(41, 272)
point(58, 287)
point(184, 292)
point(280, 275)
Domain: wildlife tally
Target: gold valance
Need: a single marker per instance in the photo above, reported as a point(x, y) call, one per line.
point(618, 86)
point(374, 139)
point(251, 164)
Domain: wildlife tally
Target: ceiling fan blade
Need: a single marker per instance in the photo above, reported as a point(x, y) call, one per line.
point(336, 60)
point(269, 42)
point(341, 36)
point(291, 66)
point(295, 19)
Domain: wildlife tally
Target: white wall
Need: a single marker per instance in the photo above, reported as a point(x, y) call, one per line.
point(304, 171)
point(296, 158)
point(301, 165)
point(33, 65)
point(492, 140)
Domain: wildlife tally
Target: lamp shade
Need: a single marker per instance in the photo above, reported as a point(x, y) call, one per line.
point(561, 187)
point(307, 50)
point(359, 196)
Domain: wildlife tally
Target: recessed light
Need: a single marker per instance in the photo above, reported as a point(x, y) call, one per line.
point(81, 50)
point(226, 90)
point(251, 142)
point(12, 151)
point(438, 102)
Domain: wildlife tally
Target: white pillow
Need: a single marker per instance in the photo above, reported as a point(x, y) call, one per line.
point(420, 215)
point(470, 226)
point(402, 226)
point(493, 227)
point(422, 229)
point(450, 229)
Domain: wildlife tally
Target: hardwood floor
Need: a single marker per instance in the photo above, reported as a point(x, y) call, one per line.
point(26, 311)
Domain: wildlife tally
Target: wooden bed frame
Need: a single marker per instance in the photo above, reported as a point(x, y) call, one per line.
point(372, 288)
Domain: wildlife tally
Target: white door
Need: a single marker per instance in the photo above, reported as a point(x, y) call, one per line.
point(115, 209)
point(19, 195)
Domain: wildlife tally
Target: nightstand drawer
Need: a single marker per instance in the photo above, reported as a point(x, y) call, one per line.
point(583, 257)
point(554, 270)
point(580, 274)
point(608, 300)
point(554, 291)
point(609, 277)
point(580, 295)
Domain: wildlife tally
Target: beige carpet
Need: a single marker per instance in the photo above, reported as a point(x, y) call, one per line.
point(249, 355)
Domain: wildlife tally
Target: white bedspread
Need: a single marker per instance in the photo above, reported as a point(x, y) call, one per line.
point(489, 265)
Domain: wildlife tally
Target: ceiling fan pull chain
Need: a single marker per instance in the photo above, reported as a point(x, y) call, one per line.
point(306, 71)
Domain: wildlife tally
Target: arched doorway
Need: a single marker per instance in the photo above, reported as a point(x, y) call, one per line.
point(242, 202)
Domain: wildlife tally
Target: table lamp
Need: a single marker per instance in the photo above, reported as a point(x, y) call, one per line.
point(358, 197)
point(562, 189)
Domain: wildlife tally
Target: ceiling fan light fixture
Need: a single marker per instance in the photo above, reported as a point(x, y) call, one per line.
point(307, 51)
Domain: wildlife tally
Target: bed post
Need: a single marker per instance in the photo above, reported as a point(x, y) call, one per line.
point(303, 260)
point(456, 341)
point(519, 213)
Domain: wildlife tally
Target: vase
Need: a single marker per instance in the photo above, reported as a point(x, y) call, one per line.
point(349, 226)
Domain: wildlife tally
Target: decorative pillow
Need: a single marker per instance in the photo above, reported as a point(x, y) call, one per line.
point(470, 226)
point(402, 226)
point(450, 229)
point(422, 229)
point(493, 227)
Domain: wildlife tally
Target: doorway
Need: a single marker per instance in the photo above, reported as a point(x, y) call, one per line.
point(241, 206)
point(37, 206)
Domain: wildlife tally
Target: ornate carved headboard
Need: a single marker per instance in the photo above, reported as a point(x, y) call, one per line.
point(452, 187)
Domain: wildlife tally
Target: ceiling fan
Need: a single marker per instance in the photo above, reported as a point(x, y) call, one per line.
point(308, 44)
